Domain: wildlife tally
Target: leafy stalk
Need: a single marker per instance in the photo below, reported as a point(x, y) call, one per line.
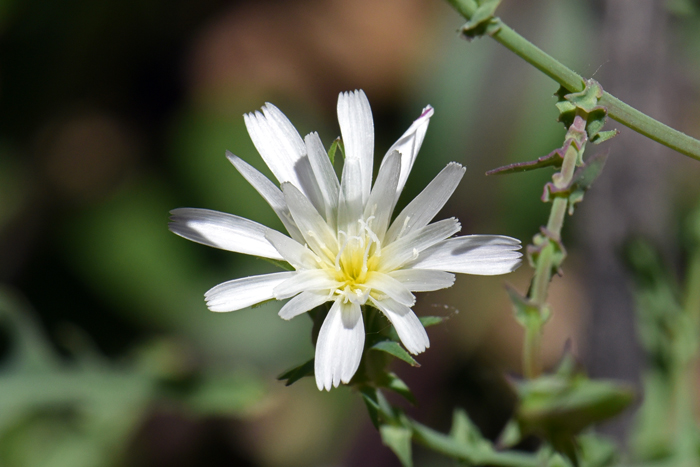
point(573, 82)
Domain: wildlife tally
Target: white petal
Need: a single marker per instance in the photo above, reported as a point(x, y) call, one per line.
point(357, 130)
point(339, 346)
point(316, 232)
point(268, 191)
point(408, 146)
point(240, 293)
point(472, 254)
point(383, 197)
point(292, 251)
point(221, 230)
point(391, 287)
point(422, 280)
point(325, 176)
point(408, 247)
point(302, 303)
point(428, 203)
point(282, 149)
point(314, 279)
point(350, 204)
point(407, 325)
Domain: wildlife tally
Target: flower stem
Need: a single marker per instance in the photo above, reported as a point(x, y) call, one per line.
point(617, 110)
point(446, 445)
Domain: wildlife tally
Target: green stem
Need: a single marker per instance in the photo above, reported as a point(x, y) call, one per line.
point(617, 110)
point(444, 444)
point(532, 361)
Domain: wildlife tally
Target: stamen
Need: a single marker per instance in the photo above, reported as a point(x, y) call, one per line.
point(403, 227)
point(321, 245)
point(342, 248)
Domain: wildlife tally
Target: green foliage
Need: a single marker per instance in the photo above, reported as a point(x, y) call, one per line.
point(481, 20)
point(585, 103)
point(82, 414)
point(395, 349)
point(668, 327)
point(582, 180)
point(398, 439)
point(559, 406)
point(293, 375)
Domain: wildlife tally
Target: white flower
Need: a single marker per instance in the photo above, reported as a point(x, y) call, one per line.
point(342, 243)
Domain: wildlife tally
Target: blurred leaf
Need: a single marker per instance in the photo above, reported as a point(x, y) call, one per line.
point(31, 349)
point(466, 432)
point(511, 435)
point(557, 407)
point(295, 374)
point(395, 349)
point(597, 451)
point(225, 394)
point(398, 439)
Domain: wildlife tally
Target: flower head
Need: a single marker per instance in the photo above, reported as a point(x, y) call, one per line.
point(342, 242)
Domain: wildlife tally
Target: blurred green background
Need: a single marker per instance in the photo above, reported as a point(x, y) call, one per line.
point(114, 112)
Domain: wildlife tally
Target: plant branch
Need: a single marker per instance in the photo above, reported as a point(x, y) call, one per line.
point(446, 445)
point(617, 110)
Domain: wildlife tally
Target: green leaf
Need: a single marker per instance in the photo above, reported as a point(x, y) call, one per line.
point(295, 374)
point(398, 439)
point(556, 405)
point(526, 310)
point(481, 19)
point(597, 451)
point(397, 385)
point(464, 431)
point(511, 435)
point(603, 136)
point(337, 144)
point(431, 320)
point(395, 349)
point(380, 411)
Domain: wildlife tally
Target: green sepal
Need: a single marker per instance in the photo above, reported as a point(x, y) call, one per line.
point(337, 144)
point(427, 321)
point(479, 23)
point(398, 439)
point(395, 349)
point(295, 374)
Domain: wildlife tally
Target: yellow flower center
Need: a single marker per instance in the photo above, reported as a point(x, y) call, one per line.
point(358, 255)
